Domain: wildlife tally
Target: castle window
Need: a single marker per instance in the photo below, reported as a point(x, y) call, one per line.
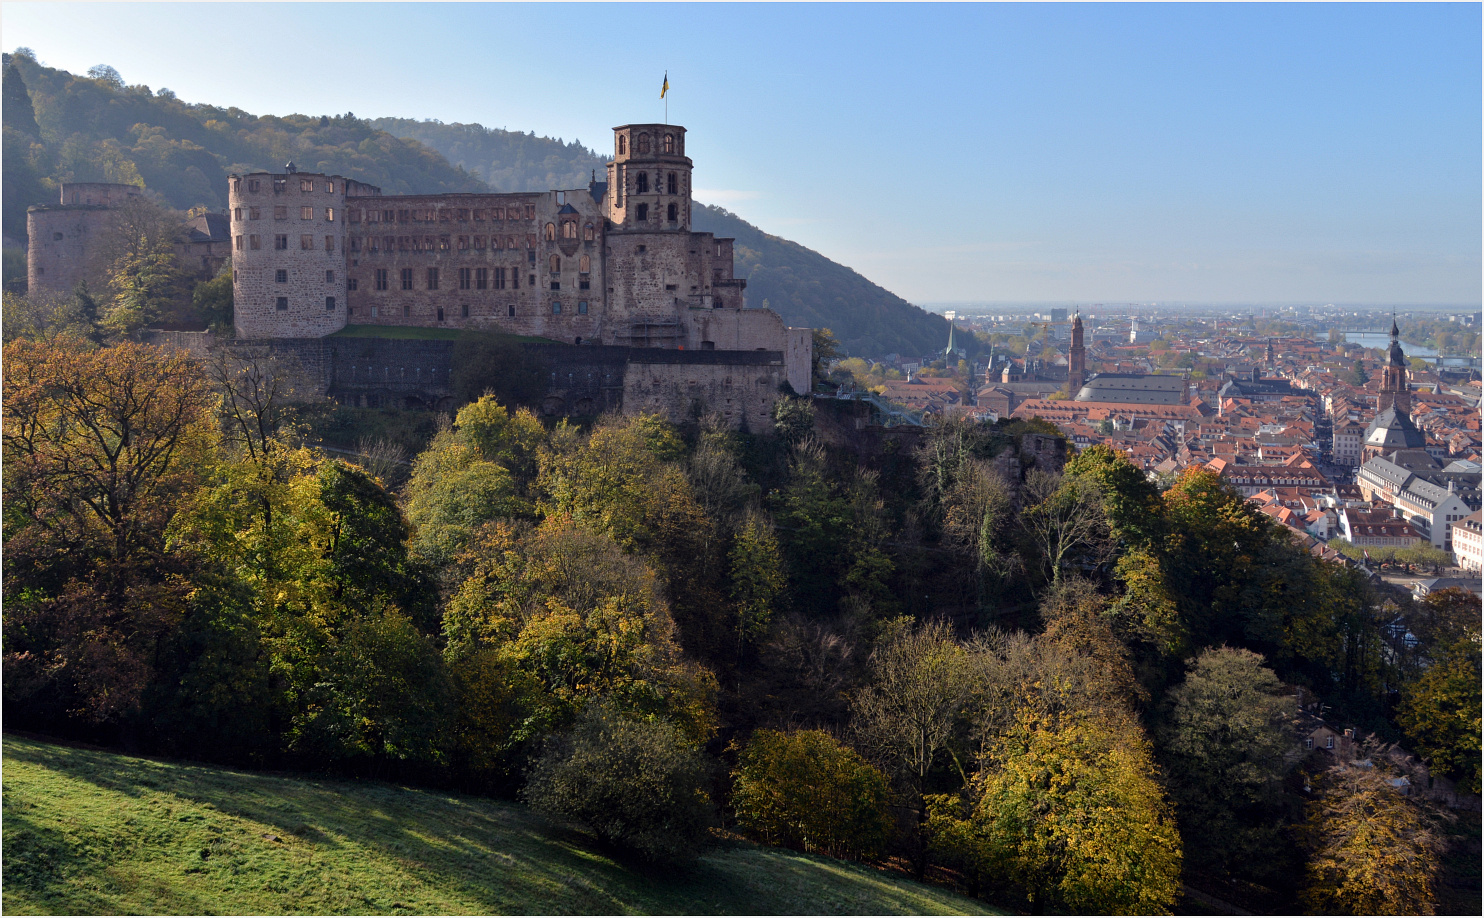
point(463, 243)
point(254, 242)
point(329, 304)
point(642, 213)
point(479, 243)
point(329, 187)
point(329, 215)
point(622, 145)
point(306, 184)
point(282, 304)
point(556, 264)
point(478, 215)
point(406, 278)
point(556, 285)
point(550, 232)
point(443, 216)
point(306, 242)
point(404, 216)
point(403, 243)
point(463, 215)
point(254, 213)
point(280, 185)
point(386, 215)
point(280, 276)
point(406, 310)
point(583, 284)
point(440, 313)
point(582, 307)
point(670, 213)
point(531, 244)
point(239, 243)
point(281, 243)
point(641, 183)
point(584, 264)
point(587, 233)
point(355, 243)
point(669, 143)
point(499, 278)
point(351, 283)
point(443, 243)
point(329, 277)
point(375, 310)
point(643, 143)
point(432, 278)
point(466, 278)
point(642, 249)
point(481, 278)
point(672, 183)
point(569, 229)
point(530, 211)
point(556, 307)
point(381, 279)
point(329, 243)
point(254, 185)
point(237, 214)
point(280, 212)
point(512, 311)
point(465, 309)
point(353, 215)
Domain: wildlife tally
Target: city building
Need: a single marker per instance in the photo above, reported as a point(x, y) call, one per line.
point(1468, 542)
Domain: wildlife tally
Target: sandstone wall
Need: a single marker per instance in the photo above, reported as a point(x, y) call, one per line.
point(288, 258)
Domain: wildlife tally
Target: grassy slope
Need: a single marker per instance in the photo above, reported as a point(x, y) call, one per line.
point(96, 832)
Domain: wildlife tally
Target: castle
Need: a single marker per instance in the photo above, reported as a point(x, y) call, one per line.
point(611, 266)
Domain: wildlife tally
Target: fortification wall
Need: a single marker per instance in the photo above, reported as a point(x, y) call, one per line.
point(61, 241)
point(740, 386)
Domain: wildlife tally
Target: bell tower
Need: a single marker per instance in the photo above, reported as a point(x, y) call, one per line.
point(1076, 359)
point(1394, 393)
point(649, 179)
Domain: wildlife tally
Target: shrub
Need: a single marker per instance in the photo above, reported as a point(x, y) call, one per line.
point(807, 790)
point(638, 785)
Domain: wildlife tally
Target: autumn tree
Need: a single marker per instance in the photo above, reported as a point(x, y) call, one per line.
point(1064, 523)
point(806, 790)
point(1372, 851)
point(757, 578)
point(1440, 710)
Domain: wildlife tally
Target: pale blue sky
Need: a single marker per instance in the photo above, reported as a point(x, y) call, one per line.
point(1057, 152)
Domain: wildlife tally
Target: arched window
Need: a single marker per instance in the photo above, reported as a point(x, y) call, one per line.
point(623, 146)
point(509, 242)
point(551, 232)
point(643, 213)
point(587, 233)
point(556, 264)
point(669, 143)
point(643, 143)
point(670, 213)
point(641, 183)
point(584, 264)
point(569, 229)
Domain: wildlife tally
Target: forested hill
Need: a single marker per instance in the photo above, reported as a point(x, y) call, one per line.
point(61, 127)
point(805, 287)
point(97, 128)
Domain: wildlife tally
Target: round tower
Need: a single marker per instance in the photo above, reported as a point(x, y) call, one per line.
point(649, 179)
point(288, 254)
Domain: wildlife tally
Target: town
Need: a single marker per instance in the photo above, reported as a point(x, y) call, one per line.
point(1286, 408)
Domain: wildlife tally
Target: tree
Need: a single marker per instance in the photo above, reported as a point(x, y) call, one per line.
point(825, 349)
point(145, 289)
point(1070, 810)
point(1371, 850)
point(1065, 523)
point(212, 299)
point(15, 102)
point(638, 785)
point(808, 791)
point(1440, 711)
point(921, 682)
point(1358, 376)
point(1129, 499)
point(1223, 739)
point(757, 578)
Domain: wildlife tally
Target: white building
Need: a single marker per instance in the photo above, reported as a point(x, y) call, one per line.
point(1468, 542)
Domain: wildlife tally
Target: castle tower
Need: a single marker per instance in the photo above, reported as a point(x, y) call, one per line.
point(649, 179)
point(1076, 359)
point(288, 258)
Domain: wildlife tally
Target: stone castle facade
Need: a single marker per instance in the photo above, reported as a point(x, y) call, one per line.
point(612, 264)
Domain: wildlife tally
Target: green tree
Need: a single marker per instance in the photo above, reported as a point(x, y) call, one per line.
point(1440, 712)
point(145, 288)
point(1223, 738)
point(638, 785)
point(806, 790)
point(212, 299)
point(757, 578)
point(826, 348)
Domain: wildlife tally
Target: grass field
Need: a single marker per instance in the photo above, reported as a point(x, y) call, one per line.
point(88, 832)
point(426, 334)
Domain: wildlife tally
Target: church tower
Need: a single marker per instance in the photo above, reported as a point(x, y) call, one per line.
point(1394, 391)
point(1392, 429)
point(1272, 360)
point(1076, 359)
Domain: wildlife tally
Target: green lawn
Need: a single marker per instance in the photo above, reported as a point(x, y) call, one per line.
point(89, 832)
point(428, 334)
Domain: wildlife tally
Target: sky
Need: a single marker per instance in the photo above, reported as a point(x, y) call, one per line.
point(1213, 153)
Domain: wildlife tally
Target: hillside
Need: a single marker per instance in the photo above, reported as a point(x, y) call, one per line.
point(805, 287)
point(90, 832)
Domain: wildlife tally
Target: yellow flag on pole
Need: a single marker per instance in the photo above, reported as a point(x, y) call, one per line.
point(666, 87)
